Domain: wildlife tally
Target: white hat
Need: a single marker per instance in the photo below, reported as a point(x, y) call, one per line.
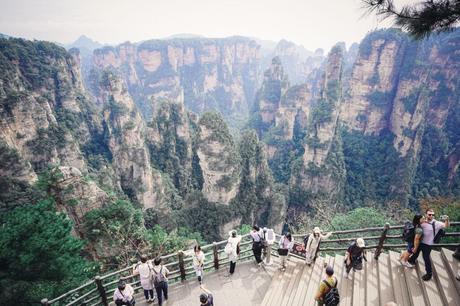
point(360, 242)
point(316, 230)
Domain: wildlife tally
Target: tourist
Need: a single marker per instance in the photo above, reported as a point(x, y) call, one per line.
point(311, 247)
point(325, 287)
point(206, 298)
point(430, 229)
point(257, 244)
point(354, 256)
point(124, 294)
point(198, 262)
point(144, 270)
point(160, 280)
point(234, 250)
point(285, 245)
point(413, 238)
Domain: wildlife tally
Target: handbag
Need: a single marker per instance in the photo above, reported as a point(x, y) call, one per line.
point(282, 252)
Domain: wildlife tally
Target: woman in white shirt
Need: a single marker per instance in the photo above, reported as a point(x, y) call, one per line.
point(234, 243)
point(144, 270)
point(312, 244)
point(198, 262)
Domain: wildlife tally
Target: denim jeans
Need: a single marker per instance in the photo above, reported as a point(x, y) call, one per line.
point(147, 293)
point(162, 289)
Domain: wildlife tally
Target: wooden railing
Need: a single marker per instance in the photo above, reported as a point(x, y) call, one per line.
point(100, 290)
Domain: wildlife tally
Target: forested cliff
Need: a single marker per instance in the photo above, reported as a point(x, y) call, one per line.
point(133, 138)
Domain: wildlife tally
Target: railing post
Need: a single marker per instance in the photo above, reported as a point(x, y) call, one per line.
point(180, 255)
point(44, 302)
point(216, 255)
point(268, 254)
point(101, 289)
point(381, 241)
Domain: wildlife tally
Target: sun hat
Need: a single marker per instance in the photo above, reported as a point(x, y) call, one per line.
point(360, 242)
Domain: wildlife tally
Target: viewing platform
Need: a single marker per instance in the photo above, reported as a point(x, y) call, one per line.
point(383, 279)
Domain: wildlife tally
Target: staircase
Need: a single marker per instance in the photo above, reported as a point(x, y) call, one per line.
point(381, 281)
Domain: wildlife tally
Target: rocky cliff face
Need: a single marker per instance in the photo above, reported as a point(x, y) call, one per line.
point(374, 78)
point(125, 138)
point(321, 171)
point(269, 96)
point(363, 131)
point(45, 116)
point(378, 124)
point(218, 159)
point(208, 74)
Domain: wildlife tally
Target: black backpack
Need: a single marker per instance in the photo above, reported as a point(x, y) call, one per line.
point(332, 297)
point(408, 234)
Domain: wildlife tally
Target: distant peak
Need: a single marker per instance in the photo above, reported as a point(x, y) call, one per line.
point(84, 42)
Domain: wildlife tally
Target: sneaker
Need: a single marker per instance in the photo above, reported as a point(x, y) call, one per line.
point(426, 277)
point(407, 264)
point(347, 276)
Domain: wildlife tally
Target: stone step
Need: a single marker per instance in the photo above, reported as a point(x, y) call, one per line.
point(449, 293)
point(398, 280)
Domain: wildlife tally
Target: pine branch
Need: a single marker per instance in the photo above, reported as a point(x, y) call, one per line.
point(419, 20)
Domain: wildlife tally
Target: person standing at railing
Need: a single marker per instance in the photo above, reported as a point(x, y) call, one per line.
point(354, 257)
point(257, 244)
point(124, 294)
point(198, 262)
point(285, 245)
point(160, 280)
point(312, 244)
point(232, 249)
point(430, 228)
point(144, 270)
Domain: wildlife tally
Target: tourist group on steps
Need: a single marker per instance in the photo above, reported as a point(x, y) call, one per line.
point(420, 235)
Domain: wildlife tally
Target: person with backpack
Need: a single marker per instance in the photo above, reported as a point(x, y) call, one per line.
point(160, 280)
point(144, 270)
point(412, 234)
point(432, 232)
point(198, 262)
point(206, 298)
point(311, 244)
point(232, 249)
point(354, 256)
point(124, 294)
point(285, 245)
point(327, 293)
point(257, 244)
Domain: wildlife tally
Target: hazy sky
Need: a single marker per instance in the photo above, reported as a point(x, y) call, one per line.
point(312, 23)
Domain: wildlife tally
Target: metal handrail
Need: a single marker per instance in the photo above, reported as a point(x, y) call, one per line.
point(217, 259)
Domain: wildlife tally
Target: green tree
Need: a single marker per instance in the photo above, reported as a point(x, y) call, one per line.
point(162, 242)
point(117, 230)
point(38, 256)
point(420, 19)
point(359, 218)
